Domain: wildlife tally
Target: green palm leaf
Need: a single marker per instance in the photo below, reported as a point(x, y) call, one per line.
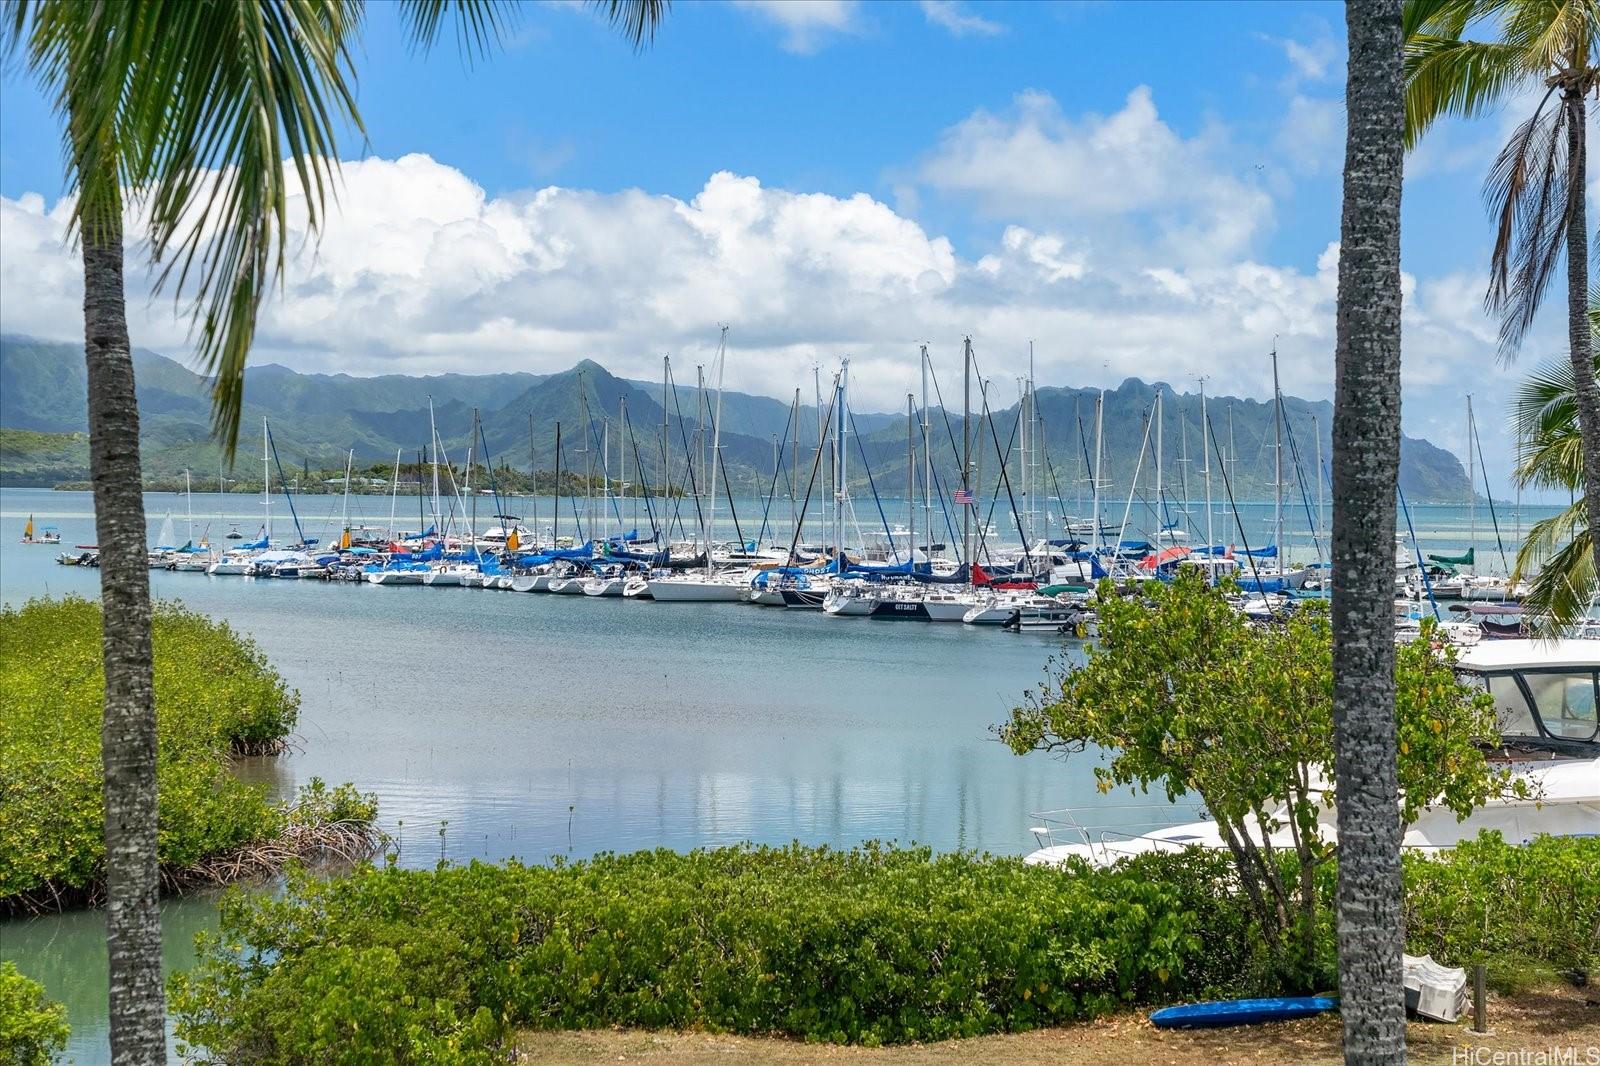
point(212, 117)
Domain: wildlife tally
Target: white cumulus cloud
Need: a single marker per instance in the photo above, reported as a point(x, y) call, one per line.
point(1126, 177)
point(420, 271)
point(954, 17)
point(806, 24)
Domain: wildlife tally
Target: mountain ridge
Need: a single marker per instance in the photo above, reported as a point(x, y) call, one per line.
point(317, 417)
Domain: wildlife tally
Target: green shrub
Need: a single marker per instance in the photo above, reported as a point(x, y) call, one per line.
point(215, 696)
point(32, 1029)
point(873, 946)
point(1520, 910)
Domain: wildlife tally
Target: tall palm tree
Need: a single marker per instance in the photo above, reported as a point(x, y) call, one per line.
point(1536, 188)
point(1366, 469)
point(1557, 557)
point(181, 110)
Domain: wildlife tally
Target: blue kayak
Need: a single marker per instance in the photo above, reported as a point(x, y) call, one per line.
point(1241, 1012)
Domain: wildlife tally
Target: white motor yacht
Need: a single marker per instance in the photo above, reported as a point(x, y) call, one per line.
point(1546, 697)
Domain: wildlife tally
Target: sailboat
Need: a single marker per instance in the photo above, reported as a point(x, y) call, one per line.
point(710, 586)
point(46, 535)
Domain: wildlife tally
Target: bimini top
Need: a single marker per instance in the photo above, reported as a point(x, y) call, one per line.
point(1490, 655)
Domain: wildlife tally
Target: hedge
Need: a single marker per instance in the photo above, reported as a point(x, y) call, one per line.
point(876, 945)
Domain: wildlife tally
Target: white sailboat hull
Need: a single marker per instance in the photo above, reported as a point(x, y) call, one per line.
point(690, 590)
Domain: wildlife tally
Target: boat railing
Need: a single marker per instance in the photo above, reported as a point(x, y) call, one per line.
point(1067, 825)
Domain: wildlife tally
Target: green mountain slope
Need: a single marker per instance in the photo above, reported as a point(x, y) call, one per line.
point(316, 418)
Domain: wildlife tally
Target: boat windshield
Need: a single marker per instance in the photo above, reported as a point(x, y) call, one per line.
point(1555, 703)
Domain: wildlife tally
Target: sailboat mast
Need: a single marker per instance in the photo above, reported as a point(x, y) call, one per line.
point(555, 491)
point(716, 445)
point(1160, 409)
point(349, 463)
point(394, 496)
point(1099, 459)
point(188, 495)
point(1472, 493)
point(794, 463)
point(927, 459)
point(911, 478)
point(666, 448)
point(266, 478)
point(843, 463)
point(966, 450)
point(1205, 454)
point(533, 490)
point(472, 520)
point(1277, 461)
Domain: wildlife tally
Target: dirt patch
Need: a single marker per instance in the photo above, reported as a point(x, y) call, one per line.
point(1530, 1021)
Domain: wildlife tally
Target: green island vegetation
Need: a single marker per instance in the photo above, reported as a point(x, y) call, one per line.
point(876, 945)
point(29, 457)
point(216, 699)
point(32, 1029)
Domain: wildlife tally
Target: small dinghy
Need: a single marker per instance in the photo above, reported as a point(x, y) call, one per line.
point(1241, 1012)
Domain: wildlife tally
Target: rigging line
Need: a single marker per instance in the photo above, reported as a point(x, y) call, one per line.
point(944, 413)
point(694, 487)
point(1300, 479)
point(772, 489)
point(284, 481)
point(872, 484)
point(811, 484)
point(1422, 566)
point(1238, 522)
point(605, 475)
point(723, 463)
point(688, 464)
point(1483, 467)
point(494, 487)
point(1005, 478)
point(572, 496)
point(644, 482)
point(994, 498)
point(1050, 469)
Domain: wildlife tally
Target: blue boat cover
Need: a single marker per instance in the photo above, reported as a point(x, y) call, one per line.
point(1241, 1012)
point(1269, 552)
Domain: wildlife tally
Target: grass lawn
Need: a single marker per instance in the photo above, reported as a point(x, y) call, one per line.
point(1558, 1016)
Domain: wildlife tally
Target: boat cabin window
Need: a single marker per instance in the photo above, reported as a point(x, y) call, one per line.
point(1511, 706)
point(1566, 703)
point(1554, 703)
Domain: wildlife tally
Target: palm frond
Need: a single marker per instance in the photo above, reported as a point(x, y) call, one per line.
point(1558, 553)
point(1526, 191)
point(480, 24)
point(637, 19)
point(1448, 76)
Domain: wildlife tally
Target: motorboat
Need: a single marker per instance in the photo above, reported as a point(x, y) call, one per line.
point(1546, 694)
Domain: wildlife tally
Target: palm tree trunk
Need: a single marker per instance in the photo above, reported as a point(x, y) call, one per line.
point(128, 732)
point(1366, 465)
point(1579, 341)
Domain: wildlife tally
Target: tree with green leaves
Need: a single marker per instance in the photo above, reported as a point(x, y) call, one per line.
point(1557, 556)
point(1187, 697)
point(181, 113)
point(1549, 52)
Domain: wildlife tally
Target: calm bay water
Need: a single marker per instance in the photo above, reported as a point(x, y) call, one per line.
point(534, 726)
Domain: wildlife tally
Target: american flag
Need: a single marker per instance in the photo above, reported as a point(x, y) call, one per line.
point(962, 497)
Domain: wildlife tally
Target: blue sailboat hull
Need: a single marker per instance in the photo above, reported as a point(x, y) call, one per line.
point(1241, 1012)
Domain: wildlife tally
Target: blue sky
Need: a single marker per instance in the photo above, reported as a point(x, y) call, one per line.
point(1142, 189)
